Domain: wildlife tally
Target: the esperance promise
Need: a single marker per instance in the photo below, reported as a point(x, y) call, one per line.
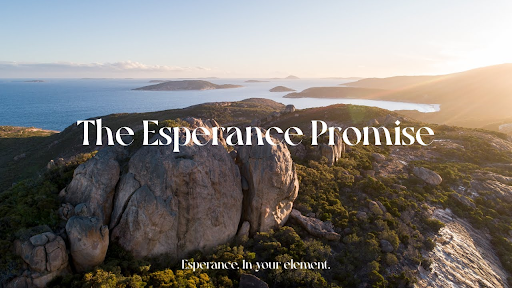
point(234, 136)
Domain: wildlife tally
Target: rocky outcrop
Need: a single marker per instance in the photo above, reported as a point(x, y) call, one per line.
point(315, 227)
point(273, 184)
point(46, 257)
point(376, 209)
point(171, 203)
point(463, 257)
point(333, 152)
point(386, 246)
point(427, 175)
point(94, 182)
point(289, 108)
point(175, 203)
point(88, 241)
point(379, 158)
point(251, 281)
point(500, 190)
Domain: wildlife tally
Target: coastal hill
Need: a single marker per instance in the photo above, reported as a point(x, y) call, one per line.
point(336, 92)
point(475, 98)
point(186, 85)
point(393, 83)
point(23, 151)
point(126, 215)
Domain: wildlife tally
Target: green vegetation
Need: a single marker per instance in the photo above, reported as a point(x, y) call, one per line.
point(334, 193)
point(339, 193)
point(28, 204)
point(17, 147)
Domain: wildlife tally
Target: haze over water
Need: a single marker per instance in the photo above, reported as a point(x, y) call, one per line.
point(57, 103)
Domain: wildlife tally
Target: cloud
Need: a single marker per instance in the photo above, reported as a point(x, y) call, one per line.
point(115, 66)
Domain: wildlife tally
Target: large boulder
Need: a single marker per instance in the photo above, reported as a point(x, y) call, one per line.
point(46, 257)
point(427, 175)
point(332, 152)
point(375, 208)
point(386, 246)
point(315, 227)
point(379, 158)
point(175, 203)
point(289, 108)
point(94, 183)
point(88, 241)
point(273, 184)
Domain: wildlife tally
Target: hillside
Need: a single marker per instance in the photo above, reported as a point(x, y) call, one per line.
point(39, 147)
point(186, 85)
point(474, 98)
point(336, 92)
point(393, 83)
point(377, 215)
point(471, 99)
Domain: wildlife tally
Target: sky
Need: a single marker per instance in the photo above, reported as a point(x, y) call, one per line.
point(256, 39)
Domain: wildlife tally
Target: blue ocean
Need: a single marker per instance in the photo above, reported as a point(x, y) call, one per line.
point(57, 103)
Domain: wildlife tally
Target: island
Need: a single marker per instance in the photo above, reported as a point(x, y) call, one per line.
point(186, 85)
point(255, 81)
point(31, 81)
point(158, 81)
point(281, 89)
point(289, 77)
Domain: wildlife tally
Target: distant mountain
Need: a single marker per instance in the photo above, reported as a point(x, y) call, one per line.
point(186, 85)
point(281, 89)
point(31, 81)
point(255, 81)
point(345, 78)
point(292, 77)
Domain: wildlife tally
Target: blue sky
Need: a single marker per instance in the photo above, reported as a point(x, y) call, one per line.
point(251, 39)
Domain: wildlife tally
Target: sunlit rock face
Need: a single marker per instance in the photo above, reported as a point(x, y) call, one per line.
point(175, 203)
point(463, 257)
point(272, 184)
point(155, 201)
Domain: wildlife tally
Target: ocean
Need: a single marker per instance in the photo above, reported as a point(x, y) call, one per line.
point(57, 103)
